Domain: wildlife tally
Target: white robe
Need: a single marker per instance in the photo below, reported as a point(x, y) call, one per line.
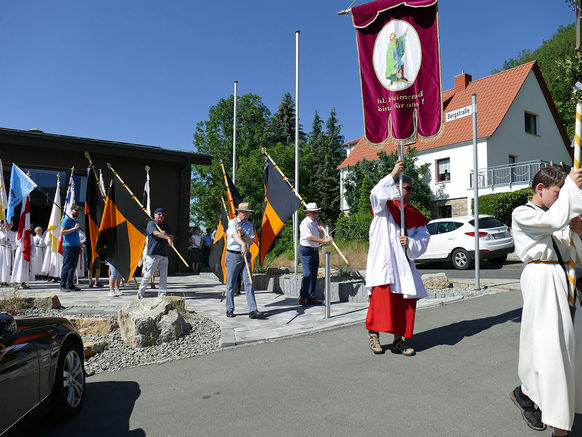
point(387, 263)
point(550, 345)
point(38, 247)
point(5, 258)
point(21, 268)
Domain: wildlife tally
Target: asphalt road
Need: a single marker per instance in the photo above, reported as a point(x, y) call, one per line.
point(327, 384)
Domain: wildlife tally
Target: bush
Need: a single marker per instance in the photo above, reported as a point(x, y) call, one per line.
point(501, 205)
point(353, 227)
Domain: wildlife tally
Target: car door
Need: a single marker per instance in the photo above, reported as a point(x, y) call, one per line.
point(443, 240)
point(18, 378)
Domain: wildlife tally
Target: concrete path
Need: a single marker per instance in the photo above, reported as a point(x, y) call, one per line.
point(284, 316)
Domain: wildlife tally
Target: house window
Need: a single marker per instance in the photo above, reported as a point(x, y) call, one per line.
point(445, 211)
point(443, 167)
point(531, 123)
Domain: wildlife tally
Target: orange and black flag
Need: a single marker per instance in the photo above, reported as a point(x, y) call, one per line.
point(280, 204)
point(218, 250)
point(94, 205)
point(122, 232)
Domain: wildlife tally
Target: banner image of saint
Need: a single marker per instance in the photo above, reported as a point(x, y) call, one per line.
point(399, 56)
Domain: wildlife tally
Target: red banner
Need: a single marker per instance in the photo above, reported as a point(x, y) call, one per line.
point(398, 47)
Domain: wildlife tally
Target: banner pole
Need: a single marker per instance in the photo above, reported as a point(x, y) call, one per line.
point(144, 210)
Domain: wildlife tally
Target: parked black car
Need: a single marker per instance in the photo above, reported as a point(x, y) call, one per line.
point(41, 363)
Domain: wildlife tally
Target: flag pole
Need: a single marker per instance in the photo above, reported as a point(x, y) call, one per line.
point(234, 135)
point(231, 206)
point(95, 174)
point(302, 201)
point(296, 214)
point(144, 210)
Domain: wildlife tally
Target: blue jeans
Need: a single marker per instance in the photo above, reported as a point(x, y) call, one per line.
point(234, 265)
point(310, 263)
point(70, 260)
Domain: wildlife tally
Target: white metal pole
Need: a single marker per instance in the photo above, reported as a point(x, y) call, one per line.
point(296, 214)
point(234, 137)
point(401, 158)
point(475, 191)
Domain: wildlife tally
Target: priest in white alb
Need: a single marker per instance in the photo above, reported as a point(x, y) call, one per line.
point(394, 285)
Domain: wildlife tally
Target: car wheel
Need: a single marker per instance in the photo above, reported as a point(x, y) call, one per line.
point(461, 260)
point(69, 387)
point(499, 260)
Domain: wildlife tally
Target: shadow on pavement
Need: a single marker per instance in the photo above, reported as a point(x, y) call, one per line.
point(455, 332)
point(106, 411)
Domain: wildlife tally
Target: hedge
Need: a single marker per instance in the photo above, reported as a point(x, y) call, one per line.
point(501, 205)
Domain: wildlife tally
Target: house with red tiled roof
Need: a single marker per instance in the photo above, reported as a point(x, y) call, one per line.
point(518, 132)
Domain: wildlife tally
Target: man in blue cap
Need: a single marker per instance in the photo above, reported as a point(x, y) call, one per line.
point(157, 256)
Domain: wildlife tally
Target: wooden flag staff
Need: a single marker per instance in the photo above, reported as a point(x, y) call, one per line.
point(101, 190)
point(232, 207)
point(302, 202)
point(144, 210)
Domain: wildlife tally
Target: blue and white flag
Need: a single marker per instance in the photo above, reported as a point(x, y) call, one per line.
point(20, 187)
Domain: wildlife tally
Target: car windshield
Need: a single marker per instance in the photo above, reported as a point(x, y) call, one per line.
point(487, 222)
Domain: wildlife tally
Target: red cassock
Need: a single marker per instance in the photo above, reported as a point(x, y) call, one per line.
point(390, 312)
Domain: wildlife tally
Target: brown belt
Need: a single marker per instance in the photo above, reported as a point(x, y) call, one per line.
point(537, 261)
point(310, 248)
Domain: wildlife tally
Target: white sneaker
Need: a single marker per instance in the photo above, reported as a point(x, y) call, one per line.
point(111, 293)
point(117, 292)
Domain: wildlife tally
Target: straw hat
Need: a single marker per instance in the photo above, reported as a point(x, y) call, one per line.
point(245, 207)
point(311, 207)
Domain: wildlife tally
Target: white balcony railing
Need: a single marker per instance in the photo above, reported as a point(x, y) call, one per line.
point(509, 174)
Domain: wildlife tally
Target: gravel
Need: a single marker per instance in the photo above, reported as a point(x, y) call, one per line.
point(201, 337)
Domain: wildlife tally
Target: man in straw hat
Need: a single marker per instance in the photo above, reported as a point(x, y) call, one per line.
point(310, 237)
point(392, 281)
point(239, 237)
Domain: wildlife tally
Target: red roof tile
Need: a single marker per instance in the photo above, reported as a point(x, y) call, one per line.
point(495, 94)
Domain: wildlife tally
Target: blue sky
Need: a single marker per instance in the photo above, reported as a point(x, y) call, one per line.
point(146, 72)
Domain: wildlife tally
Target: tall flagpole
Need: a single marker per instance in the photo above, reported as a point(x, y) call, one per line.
point(234, 136)
point(296, 214)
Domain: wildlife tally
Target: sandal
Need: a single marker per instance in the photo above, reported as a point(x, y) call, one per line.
point(529, 412)
point(374, 342)
point(399, 347)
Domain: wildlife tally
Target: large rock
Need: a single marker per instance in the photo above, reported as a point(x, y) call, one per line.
point(178, 303)
point(436, 280)
point(45, 302)
point(148, 322)
point(93, 325)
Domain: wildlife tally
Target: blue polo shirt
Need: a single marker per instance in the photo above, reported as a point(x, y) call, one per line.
point(157, 246)
point(71, 239)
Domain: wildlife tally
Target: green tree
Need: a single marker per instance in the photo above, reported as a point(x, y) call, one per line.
point(214, 136)
point(376, 170)
point(283, 122)
point(364, 204)
point(328, 152)
point(560, 68)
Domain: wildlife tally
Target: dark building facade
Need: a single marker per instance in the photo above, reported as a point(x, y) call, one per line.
point(44, 155)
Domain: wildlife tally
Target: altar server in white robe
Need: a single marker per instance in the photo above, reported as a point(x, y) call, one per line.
point(5, 254)
point(38, 247)
point(550, 343)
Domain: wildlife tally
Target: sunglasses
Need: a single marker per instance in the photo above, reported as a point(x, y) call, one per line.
point(409, 189)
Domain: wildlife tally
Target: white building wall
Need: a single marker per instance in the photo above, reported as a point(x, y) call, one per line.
point(512, 139)
point(461, 158)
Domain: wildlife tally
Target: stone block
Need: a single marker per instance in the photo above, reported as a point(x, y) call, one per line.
point(178, 303)
point(149, 322)
point(93, 325)
point(91, 348)
point(436, 280)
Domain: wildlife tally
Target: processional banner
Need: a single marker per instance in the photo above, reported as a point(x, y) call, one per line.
point(399, 55)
